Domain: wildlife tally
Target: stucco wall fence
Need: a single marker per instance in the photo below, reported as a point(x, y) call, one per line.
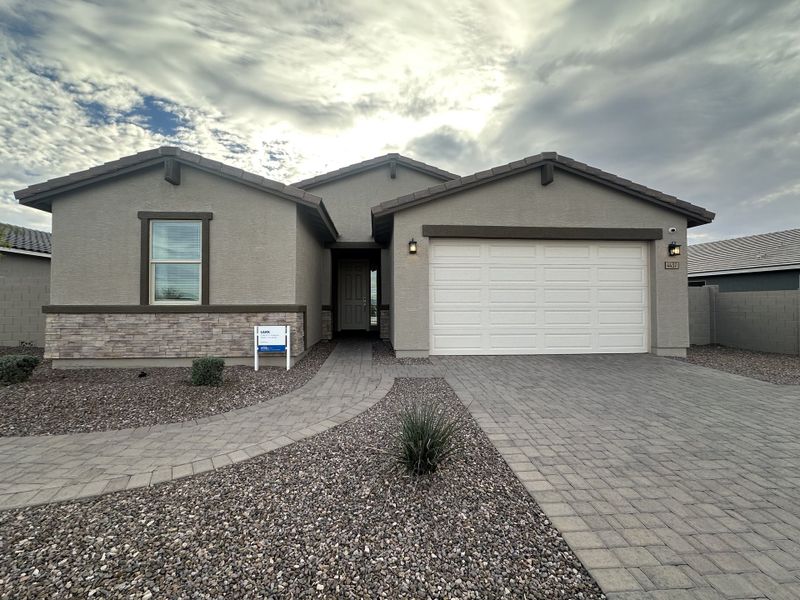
point(763, 321)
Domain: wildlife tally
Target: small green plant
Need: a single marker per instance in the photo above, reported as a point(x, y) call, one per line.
point(207, 371)
point(16, 368)
point(427, 437)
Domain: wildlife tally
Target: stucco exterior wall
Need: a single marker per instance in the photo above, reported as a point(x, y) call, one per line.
point(310, 268)
point(521, 200)
point(24, 289)
point(754, 282)
point(349, 200)
point(96, 238)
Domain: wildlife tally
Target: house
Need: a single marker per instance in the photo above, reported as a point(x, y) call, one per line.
point(542, 255)
point(755, 263)
point(24, 285)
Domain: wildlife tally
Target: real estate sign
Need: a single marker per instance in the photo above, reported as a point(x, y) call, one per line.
point(272, 338)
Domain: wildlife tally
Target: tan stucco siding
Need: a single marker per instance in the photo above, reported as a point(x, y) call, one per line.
point(349, 200)
point(96, 238)
point(521, 200)
point(24, 289)
point(310, 269)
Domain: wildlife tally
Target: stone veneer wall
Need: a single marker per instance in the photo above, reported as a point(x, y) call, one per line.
point(327, 323)
point(385, 323)
point(161, 335)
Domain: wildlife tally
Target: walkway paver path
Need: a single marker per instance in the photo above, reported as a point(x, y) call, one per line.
point(39, 469)
point(670, 481)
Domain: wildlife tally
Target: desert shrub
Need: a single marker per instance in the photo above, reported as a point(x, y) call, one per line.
point(207, 371)
point(16, 368)
point(426, 438)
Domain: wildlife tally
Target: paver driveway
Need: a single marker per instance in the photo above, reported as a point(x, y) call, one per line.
point(668, 480)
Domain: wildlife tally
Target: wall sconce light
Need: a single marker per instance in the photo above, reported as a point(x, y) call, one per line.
point(674, 249)
point(412, 246)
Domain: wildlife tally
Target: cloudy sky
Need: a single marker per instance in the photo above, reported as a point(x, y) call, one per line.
point(697, 98)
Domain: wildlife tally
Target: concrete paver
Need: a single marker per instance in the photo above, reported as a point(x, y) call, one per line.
point(688, 477)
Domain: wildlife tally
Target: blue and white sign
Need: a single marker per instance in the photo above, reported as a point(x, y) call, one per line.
point(272, 338)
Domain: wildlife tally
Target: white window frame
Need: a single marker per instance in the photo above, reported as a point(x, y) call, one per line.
point(152, 262)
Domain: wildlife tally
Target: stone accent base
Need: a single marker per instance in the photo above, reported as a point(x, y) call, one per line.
point(327, 323)
point(385, 322)
point(161, 335)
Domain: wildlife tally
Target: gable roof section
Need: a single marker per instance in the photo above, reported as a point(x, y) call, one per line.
point(374, 163)
point(41, 195)
point(381, 214)
point(22, 240)
point(775, 251)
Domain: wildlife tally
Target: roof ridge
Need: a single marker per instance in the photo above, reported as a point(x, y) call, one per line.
point(371, 163)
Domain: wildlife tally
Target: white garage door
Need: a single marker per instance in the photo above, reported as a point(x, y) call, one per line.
point(537, 297)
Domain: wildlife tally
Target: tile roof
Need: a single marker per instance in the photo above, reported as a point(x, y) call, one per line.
point(373, 163)
point(779, 249)
point(22, 238)
point(40, 195)
point(697, 215)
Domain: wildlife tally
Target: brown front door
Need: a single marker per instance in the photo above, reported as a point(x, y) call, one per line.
point(353, 295)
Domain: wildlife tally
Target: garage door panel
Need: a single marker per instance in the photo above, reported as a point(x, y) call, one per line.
point(618, 295)
point(449, 296)
point(512, 317)
point(567, 251)
point(460, 317)
point(515, 274)
point(620, 317)
point(512, 251)
point(537, 297)
point(456, 274)
point(630, 274)
point(568, 296)
point(512, 296)
point(568, 318)
point(566, 274)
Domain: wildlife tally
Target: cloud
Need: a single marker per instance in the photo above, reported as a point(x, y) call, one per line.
point(696, 99)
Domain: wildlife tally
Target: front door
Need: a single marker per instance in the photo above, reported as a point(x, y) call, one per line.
point(353, 294)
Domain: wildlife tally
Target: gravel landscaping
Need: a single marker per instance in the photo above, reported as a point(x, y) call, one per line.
point(383, 354)
point(55, 401)
point(325, 517)
point(774, 368)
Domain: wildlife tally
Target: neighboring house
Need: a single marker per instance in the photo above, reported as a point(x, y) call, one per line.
point(24, 285)
point(756, 263)
point(544, 255)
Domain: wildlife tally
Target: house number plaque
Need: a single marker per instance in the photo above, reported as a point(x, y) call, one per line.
point(671, 264)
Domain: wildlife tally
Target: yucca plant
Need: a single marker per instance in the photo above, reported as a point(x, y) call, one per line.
point(427, 437)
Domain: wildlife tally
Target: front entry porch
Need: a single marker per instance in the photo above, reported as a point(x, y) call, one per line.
point(355, 290)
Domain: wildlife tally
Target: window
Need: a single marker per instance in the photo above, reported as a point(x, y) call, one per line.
point(175, 261)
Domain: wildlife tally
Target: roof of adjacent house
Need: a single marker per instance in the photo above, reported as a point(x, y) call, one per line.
point(373, 163)
point(40, 195)
point(779, 250)
point(696, 214)
point(23, 240)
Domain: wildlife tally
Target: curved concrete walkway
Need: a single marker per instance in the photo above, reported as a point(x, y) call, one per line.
point(41, 469)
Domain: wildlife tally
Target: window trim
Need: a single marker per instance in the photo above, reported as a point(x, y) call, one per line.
point(145, 268)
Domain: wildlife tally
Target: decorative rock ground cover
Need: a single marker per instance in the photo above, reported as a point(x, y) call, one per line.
point(56, 401)
point(325, 517)
point(766, 366)
point(383, 354)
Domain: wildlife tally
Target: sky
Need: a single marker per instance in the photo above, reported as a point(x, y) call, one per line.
point(697, 98)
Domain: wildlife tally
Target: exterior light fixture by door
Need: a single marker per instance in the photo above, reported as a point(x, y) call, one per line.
point(674, 249)
point(412, 246)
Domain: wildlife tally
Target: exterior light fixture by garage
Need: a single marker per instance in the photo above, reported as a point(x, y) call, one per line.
point(674, 249)
point(412, 246)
